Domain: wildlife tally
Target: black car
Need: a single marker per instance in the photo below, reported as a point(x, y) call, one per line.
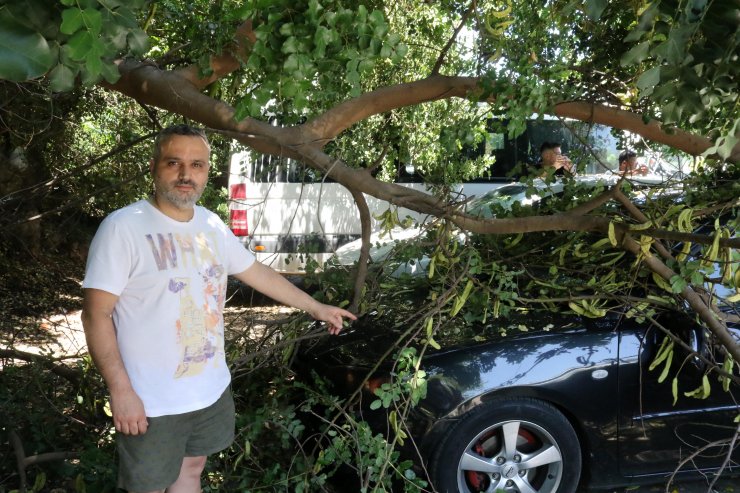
point(544, 401)
point(544, 411)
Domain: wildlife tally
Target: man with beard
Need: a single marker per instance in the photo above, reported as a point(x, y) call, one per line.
point(154, 294)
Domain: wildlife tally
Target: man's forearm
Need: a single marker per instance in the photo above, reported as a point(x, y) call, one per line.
point(103, 347)
point(268, 282)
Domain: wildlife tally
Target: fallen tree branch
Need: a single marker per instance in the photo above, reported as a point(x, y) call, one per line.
point(361, 272)
point(71, 374)
point(24, 462)
point(696, 302)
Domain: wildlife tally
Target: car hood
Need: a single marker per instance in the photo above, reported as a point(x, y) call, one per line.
point(373, 336)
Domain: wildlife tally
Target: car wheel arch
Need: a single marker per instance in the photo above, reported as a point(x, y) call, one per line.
point(542, 395)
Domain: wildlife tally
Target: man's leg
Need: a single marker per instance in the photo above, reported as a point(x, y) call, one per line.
point(189, 479)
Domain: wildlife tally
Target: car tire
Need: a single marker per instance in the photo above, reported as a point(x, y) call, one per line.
point(512, 445)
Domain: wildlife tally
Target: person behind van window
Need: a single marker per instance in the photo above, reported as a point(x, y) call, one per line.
point(628, 163)
point(551, 157)
point(154, 295)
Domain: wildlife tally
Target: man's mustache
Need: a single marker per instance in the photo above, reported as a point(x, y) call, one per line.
point(185, 182)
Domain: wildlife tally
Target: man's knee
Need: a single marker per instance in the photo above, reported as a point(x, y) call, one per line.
point(193, 466)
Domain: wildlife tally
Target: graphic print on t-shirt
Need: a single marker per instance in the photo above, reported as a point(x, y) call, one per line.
point(198, 327)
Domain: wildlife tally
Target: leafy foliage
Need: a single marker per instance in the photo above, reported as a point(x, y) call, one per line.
point(678, 66)
point(303, 49)
point(685, 70)
point(70, 39)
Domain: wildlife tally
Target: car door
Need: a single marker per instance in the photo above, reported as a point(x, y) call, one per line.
point(656, 434)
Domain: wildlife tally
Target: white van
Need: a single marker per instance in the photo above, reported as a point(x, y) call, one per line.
point(286, 213)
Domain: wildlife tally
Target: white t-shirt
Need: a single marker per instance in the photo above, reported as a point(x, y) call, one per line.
point(170, 278)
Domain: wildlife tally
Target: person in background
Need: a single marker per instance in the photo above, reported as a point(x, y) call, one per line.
point(551, 157)
point(154, 295)
point(628, 164)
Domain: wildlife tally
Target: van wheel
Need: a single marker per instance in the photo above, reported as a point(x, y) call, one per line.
point(512, 445)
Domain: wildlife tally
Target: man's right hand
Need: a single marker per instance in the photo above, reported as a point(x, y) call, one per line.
point(563, 161)
point(129, 416)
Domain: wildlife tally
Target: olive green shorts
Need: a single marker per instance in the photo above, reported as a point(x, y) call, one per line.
point(152, 461)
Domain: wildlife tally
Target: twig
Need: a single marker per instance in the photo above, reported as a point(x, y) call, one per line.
point(697, 452)
point(451, 41)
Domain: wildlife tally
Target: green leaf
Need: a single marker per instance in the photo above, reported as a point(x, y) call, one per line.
point(401, 50)
point(290, 88)
point(353, 77)
point(290, 45)
point(366, 65)
point(71, 21)
point(138, 41)
point(594, 8)
point(117, 36)
point(291, 63)
point(136, 4)
point(673, 50)
point(361, 14)
point(666, 368)
point(380, 30)
point(678, 284)
point(377, 18)
point(110, 72)
point(728, 144)
point(111, 4)
point(80, 485)
point(93, 64)
point(314, 9)
point(124, 17)
point(93, 20)
point(666, 348)
point(649, 79)
point(636, 55)
point(393, 39)
point(25, 53)
point(61, 78)
point(39, 482)
point(80, 45)
point(727, 366)
point(286, 29)
point(90, 76)
point(701, 392)
point(434, 343)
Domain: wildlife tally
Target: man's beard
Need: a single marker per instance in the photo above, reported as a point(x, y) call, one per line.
point(179, 199)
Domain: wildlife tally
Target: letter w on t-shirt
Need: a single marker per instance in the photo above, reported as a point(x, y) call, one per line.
point(166, 252)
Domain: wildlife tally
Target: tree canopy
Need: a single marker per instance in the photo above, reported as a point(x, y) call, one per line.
point(353, 89)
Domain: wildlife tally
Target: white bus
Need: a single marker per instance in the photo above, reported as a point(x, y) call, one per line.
point(284, 212)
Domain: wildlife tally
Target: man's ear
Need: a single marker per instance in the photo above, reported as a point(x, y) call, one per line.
point(151, 166)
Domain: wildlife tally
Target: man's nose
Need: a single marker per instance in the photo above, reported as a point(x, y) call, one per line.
point(183, 171)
